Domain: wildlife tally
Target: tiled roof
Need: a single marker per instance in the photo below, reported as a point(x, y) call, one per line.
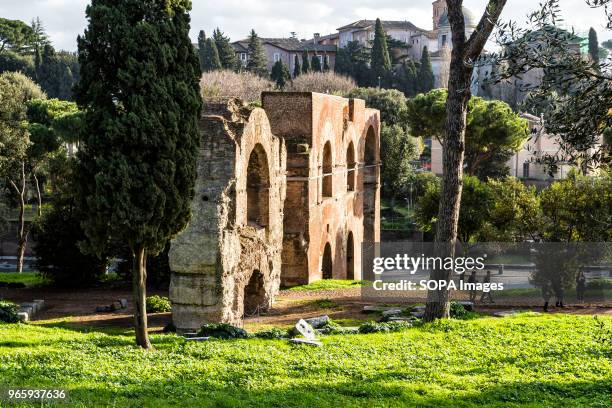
point(387, 24)
point(287, 44)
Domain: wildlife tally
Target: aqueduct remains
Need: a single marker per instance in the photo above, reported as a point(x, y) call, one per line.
point(285, 195)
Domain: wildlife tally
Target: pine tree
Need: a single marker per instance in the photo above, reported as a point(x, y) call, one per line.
point(297, 68)
point(326, 63)
point(593, 45)
point(280, 74)
point(380, 62)
point(315, 64)
point(227, 55)
point(409, 80)
point(202, 49)
point(39, 36)
point(137, 162)
point(258, 62)
point(306, 67)
point(212, 61)
point(425, 77)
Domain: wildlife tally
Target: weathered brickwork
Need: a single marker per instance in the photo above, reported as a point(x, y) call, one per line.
point(285, 195)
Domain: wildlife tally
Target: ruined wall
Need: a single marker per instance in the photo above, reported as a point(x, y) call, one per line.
point(228, 260)
point(327, 215)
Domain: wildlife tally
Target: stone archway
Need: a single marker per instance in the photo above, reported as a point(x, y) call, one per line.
point(254, 294)
point(258, 188)
point(350, 257)
point(327, 263)
point(350, 167)
point(327, 170)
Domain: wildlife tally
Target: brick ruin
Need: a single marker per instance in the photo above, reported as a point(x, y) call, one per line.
point(285, 195)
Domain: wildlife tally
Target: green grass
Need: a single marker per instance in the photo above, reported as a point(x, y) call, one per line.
point(330, 284)
point(527, 360)
point(27, 278)
point(570, 294)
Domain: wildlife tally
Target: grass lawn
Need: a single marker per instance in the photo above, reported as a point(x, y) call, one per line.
point(329, 284)
point(526, 360)
point(27, 278)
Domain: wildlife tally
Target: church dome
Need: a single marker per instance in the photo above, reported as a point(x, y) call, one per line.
point(468, 17)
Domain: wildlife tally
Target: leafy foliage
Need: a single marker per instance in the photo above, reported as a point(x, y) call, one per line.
point(280, 74)
point(227, 84)
point(222, 331)
point(384, 327)
point(380, 60)
point(8, 312)
point(425, 77)
point(323, 82)
point(158, 304)
point(273, 333)
point(227, 55)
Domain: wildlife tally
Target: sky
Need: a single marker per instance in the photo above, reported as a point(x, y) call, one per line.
point(65, 19)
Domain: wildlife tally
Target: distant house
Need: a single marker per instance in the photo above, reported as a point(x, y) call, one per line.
point(522, 164)
point(287, 49)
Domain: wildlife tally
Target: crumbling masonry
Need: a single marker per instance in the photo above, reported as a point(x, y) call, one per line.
point(285, 195)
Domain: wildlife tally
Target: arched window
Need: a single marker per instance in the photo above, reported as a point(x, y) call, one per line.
point(326, 263)
point(254, 294)
point(327, 170)
point(350, 257)
point(350, 167)
point(258, 188)
point(369, 158)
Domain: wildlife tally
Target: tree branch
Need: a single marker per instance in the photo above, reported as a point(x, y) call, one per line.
point(488, 21)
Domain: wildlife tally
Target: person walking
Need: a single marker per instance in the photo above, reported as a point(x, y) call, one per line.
point(487, 291)
point(546, 294)
point(472, 282)
point(580, 286)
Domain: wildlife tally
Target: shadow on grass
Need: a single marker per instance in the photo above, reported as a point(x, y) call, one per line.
point(381, 390)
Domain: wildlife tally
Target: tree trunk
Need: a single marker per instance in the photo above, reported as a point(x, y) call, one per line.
point(139, 273)
point(453, 146)
point(38, 194)
point(22, 232)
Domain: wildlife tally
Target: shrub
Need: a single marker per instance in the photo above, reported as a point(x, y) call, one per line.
point(8, 312)
point(391, 103)
point(222, 331)
point(600, 283)
point(58, 255)
point(273, 333)
point(323, 82)
point(374, 327)
point(457, 310)
point(227, 84)
point(158, 304)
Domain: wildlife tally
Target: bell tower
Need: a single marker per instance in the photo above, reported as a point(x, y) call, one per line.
point(439, 7)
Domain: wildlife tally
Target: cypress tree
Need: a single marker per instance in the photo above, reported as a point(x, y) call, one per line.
point(212, 61)
point(202, 50)
point(381, 62)
point(137, 161)
point(258, 62)
point(306, 68)
point(280, 74)
point(593, 45)
point(227, 55)
point(410, 79)
point(425, 77)
point(297, 69)
point(315, 64)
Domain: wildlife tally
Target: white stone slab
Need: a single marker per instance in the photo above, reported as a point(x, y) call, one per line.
point(305, 329)
point(306, 341)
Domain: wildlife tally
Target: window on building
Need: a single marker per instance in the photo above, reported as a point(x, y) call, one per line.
point(371, 36)
point(526, 170)
point(276, 57)
point(243, 56)
point(444, 40)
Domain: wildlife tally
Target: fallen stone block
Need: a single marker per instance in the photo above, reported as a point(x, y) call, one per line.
point(469, 306)
point(392, 312)
point(102, 309)
point(197, 338)
point(418, 309)
point(505, 313)
point(23, 317)
point(317, 322)
point(306, 341)
point(116, 306)
point(124, 303)
point(40, 303)
point(27, 309)
point(407, 319)
point(418, 315)
point(33, 305)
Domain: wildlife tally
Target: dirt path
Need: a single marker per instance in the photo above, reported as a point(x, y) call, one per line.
point(344, 305)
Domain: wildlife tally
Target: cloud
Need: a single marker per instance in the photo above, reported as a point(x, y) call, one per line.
point(65, 19)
